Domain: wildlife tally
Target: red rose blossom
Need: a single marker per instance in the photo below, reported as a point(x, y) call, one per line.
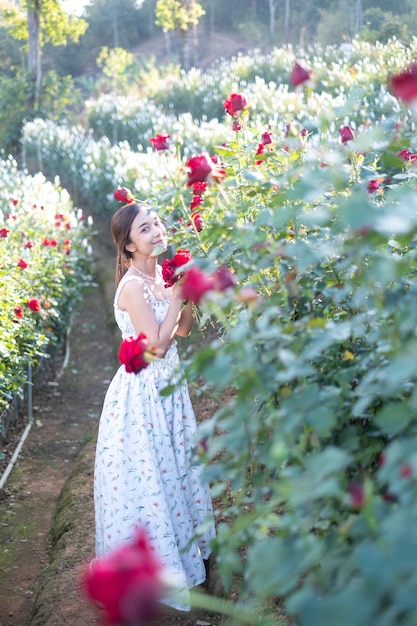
point(404, 84)
point(299, 74)
point(223, 279)
point(199, 188)
point(18, 311)
point(195, 284)
point(196, 200)
point(236, 126)
point(34, 305)
point(234, 103)
point(160, 142)
point(373, 186)
point(126, 584)
point(357, 494)
point(132, 353)
point(170, 266)
point(22, 264)
point(406, 155)
point(346, 134)
point(266, 138)
point(123, 194)
point(198, 222)
point(4, 232)
point(201, 168)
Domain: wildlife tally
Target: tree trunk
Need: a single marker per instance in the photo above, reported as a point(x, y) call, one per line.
point(287, 19)
point(358, 16)
point(272, 9)
point(34, 54)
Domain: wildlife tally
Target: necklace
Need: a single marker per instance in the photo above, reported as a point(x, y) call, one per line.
point(146, 276)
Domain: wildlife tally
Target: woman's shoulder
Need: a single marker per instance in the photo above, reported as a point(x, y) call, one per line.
point(130, 283)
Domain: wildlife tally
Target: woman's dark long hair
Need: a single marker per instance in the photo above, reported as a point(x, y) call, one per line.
point(121, 225)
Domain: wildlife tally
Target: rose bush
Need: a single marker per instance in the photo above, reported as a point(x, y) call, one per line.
point(312, 452)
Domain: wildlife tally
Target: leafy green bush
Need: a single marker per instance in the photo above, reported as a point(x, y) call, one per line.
point(44, 265)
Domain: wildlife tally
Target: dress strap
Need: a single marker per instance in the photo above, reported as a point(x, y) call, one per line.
point(127, 279)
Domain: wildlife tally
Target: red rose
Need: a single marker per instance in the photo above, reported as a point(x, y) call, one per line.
point(236, 126)
point(160, 142)
point(198, 222)
point(346, 134)
point(223, 279)
point(404, 84)
point(195, 284)
point(199, 188)
point(235, 103)
point(170, 266)
point(123, 194)
point(18, 311)
point(127, 583)
point(406, 155)
point(196, 200)
point(3, 233)
point(373, 186)
point(266, 138)
point(29, 244)
point(34, 305)
point(201, 168)
point(22, 264)
point(132, 353)
point(299, 74)
point(357, 494)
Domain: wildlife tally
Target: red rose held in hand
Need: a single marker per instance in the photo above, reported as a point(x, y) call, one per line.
point(170, 266)
point(132, 353)
point(126, 584)
point(234, 103)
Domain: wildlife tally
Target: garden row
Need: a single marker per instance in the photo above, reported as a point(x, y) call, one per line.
point(44, 265)
point(312, 209)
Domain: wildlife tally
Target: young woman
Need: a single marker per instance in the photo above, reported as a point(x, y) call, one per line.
point(144, 475)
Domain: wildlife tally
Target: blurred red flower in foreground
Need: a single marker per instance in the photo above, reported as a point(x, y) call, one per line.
point(133, 352)
point(126, 584)
point(160, 142)
point(3, 233)
point(170, 266)
point(357, 494)
point(346, 134)
point(404, 84)
point(123, 194)
point(299, 74)
point(373, 185)
point(201, 168)
point(195, 284)
point(234, 103)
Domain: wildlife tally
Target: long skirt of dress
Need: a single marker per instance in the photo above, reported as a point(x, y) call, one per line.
point(144, 476)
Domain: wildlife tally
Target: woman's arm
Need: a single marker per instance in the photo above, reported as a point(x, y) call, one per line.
point(135, 300)
point(186, 320)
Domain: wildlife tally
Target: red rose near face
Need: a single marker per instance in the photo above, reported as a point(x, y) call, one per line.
point(123, 194)
point(170, 266)
point(160, 142)
point(132, 353)
point(234, 103)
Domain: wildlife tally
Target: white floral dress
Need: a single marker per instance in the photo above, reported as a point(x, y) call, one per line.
point(144, 473)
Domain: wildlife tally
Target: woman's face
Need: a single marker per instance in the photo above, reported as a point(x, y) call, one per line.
point(148, 234)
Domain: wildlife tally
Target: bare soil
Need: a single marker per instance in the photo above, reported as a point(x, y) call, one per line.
point(46, 506)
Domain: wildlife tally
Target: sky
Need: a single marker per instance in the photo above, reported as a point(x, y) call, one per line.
point(74, 6)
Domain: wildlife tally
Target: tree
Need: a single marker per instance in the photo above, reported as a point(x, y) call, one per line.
point(181, 16)
point(38, 22)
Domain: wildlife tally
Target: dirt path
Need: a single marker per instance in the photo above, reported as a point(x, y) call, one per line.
point(46, 507)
